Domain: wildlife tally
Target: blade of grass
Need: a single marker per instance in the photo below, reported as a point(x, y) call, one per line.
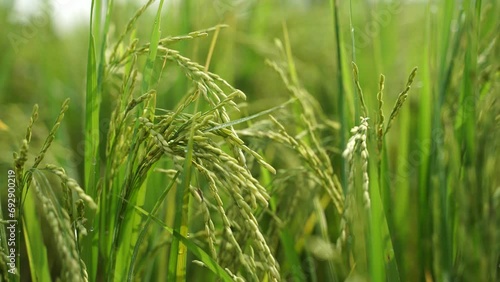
point(32, 233)
point(91, 161)
point(377, 233)
point(91, 116)
point(149, 72)
point(341, 103)
point(425, 130)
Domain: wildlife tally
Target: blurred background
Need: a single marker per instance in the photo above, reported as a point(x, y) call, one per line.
point(65, 15)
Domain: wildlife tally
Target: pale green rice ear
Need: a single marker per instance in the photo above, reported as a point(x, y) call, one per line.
point(359, 142)
point(52, 133)
point(401, 100)
point(355, 71)
point(381, 117)
point(21, 157)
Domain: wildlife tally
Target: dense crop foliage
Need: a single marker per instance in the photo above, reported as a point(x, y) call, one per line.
point(252, 141)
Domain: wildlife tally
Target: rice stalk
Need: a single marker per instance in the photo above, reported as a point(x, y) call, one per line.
point(381, 117)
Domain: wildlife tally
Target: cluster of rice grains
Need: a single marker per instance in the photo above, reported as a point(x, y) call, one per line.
point(307, 183)
point(66, 225)
point(218, 156)
point(223, 172)
point(358, 143)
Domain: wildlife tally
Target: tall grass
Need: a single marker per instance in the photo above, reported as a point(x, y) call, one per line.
point(230, 142)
